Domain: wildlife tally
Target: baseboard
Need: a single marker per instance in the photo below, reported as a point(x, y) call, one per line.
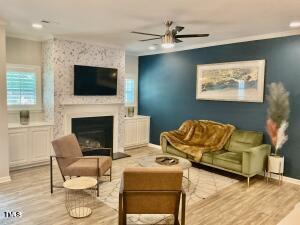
point(5, 179)
point(154, 146)
point(25, 166)
point(287, 179)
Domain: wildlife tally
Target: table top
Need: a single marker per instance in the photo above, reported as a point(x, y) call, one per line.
point(149, 161)
point(80, 183)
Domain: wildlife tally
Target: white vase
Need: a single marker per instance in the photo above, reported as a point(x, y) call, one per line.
point(275, 164)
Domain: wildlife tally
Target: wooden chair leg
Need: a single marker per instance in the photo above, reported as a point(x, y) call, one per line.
point(176, 221)
point(183, 202)
point(110, 172)
point(97, 186)
point(51, 175)
point(124, 219)
point(98, 175)
point(120, 209)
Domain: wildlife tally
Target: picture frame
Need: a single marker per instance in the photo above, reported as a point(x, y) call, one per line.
point(241, 81)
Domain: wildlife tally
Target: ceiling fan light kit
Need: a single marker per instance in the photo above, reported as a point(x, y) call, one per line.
point(170, 37)
point(167, 41)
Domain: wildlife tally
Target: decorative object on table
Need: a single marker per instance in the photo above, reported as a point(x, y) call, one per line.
point(80, 196)
point(166, 160)
point(233, 81)
point(277, 124)
point(151, 161)
point(24, 117)
point(130, 111)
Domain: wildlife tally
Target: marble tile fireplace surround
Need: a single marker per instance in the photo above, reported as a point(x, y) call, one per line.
point(115, 110)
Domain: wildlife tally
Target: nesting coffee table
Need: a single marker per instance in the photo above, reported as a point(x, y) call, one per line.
point(184, 164)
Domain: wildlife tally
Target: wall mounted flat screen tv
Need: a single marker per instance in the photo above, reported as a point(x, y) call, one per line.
point(95, 81)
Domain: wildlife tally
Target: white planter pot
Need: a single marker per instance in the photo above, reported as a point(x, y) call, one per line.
point(275, 164)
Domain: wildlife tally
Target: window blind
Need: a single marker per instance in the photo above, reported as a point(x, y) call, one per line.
point(129, 91)
point(21, 88)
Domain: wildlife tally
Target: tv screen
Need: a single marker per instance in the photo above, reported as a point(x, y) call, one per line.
point(90, 80)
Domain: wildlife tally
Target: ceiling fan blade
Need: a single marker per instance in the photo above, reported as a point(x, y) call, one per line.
point(135, 32)
point(150, 39)
point(178, 40)
point(191, 35)
point(179, 28)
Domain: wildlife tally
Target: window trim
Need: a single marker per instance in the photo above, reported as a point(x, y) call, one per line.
point(134, 104)
point(38, 71)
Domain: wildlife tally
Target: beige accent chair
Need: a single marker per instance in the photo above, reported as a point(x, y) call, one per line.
point(151, 191)
point(71, 162)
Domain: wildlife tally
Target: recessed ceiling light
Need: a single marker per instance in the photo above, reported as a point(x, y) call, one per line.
point(295, 24)
point(152, 47)
point(37, 26)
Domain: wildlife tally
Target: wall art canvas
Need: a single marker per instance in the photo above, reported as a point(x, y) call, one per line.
point(234, 81)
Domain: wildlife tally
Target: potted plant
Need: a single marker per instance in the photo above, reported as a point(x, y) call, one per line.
point(277, 124)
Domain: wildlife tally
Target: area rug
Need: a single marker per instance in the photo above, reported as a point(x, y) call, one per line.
point(202, 184)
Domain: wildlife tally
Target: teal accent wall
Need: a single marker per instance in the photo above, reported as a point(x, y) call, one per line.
point(167, 89)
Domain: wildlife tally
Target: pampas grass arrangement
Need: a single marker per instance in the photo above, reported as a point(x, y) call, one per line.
point(278, 115)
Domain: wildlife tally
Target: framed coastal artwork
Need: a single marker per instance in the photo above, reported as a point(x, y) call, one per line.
point(234, 81)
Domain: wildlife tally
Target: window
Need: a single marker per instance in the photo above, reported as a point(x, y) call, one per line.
point(129, 92)
point(23, 87)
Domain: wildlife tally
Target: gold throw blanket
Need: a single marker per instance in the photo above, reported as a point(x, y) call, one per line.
point(194, 137)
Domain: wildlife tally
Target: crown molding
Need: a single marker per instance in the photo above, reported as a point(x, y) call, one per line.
point(26, 37)
point(225, 42)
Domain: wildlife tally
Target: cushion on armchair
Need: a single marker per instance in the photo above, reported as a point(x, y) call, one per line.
point(241, 140)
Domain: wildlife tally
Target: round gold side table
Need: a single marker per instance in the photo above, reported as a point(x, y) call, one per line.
point(80, 196)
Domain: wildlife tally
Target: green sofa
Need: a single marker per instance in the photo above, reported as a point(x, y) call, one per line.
point(243, 154)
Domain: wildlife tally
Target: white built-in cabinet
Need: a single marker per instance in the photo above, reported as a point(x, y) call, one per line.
point(29, 145)
point(137, 131)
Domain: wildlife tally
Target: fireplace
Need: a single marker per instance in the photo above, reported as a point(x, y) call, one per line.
point(94, 134)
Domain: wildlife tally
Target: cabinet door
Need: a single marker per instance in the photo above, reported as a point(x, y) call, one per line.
point(18, 147)
point(131, 137)
point(143, 130)
point(40, 138)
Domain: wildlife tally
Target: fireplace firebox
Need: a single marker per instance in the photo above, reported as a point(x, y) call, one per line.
point(94, 134)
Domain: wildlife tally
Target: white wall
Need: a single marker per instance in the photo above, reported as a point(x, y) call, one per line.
point(4, 159)
point(132, 71)
point(21, 51)
point(24, 52)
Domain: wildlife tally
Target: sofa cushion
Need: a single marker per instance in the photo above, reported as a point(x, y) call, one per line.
point(174, 151)
point(229, 160)
point(207, 157)
point(241, 140)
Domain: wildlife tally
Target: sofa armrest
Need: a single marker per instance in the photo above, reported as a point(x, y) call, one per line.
point(164, 144)
point(255, 159)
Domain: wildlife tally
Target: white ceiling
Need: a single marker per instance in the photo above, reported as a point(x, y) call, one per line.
point(109, 22)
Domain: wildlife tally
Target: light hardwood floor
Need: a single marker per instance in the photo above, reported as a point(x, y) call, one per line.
point(262, 203)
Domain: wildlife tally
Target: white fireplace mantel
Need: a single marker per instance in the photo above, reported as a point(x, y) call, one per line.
point(94, 110)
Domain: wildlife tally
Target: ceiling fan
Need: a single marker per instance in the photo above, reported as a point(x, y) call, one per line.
point(171, 36)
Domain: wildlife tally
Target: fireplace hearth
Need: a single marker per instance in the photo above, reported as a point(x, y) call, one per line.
point(94, 134)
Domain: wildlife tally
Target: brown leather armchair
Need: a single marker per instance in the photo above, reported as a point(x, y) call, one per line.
point(151, 191)
point(71, 162)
